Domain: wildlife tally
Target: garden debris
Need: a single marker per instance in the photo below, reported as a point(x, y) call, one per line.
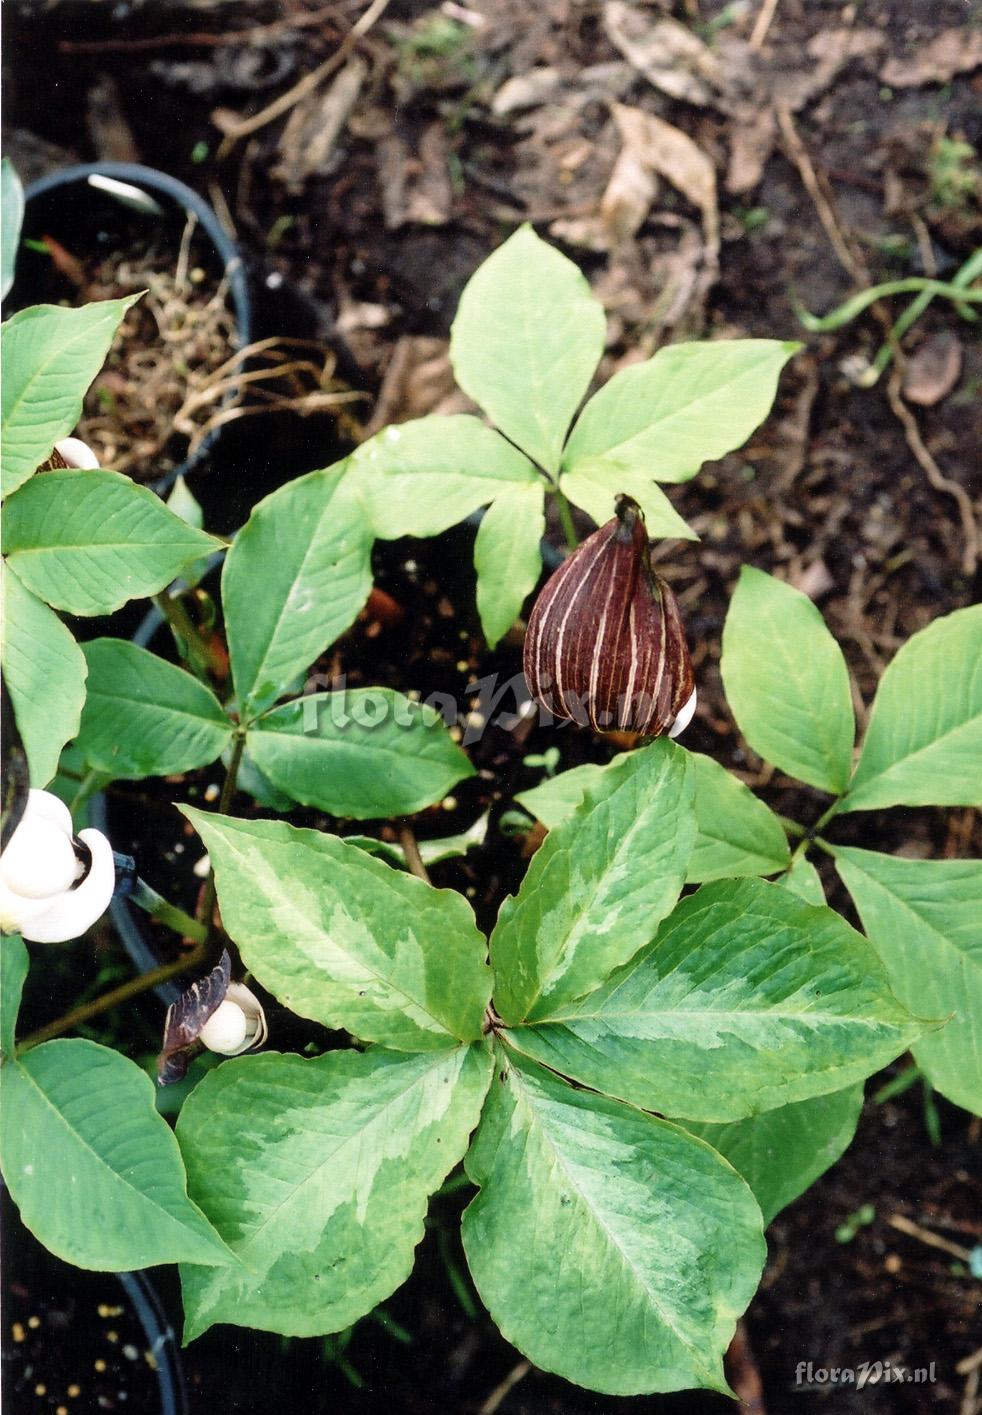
point(307, 142)
point(523, 91)
point(415, 188)
point(953, 51)
point(109, 130)
point(633, 184)
point(670, 56)
point(672, 154)
point(933, 369)
point(418, 380)
point(234, 126)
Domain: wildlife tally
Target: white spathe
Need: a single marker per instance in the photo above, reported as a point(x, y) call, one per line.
point(46, 892)
point(77, 453)
point(684, 717)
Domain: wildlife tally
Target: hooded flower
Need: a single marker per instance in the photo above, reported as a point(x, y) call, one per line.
point(214, 1012)
point(605, 645)
point(53, 885)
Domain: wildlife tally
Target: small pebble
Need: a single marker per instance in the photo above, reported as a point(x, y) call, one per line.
point(99, 1365)
point(34, 1323)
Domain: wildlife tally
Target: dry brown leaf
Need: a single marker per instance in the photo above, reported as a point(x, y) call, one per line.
point(524, 91)
point(415, 187)
point(418, 380)
point(752, 139)
point(954, 51)
point(934, 369)
point(672, 154)
point(627, 199)
point(670, 56)
point(316, 123)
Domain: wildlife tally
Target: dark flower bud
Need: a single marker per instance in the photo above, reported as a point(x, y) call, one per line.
point(215, 1013)
point(605, 645)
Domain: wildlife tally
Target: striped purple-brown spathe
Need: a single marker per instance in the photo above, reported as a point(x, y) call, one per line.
point(605, 645)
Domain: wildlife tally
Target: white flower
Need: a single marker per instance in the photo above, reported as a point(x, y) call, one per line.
point(237, 1024)
point(77, 453)
point(684, 717)
point(47, 893)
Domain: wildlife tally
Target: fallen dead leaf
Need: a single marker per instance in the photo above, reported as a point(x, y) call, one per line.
point(670, 56)
point(418, 380)
point(954, 51)
point(672, 154)
point(933, 369)
point(415, 187)
point(316, 123)
point(524, 91)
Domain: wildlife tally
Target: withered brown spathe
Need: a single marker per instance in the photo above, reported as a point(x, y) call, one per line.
point(605, 645)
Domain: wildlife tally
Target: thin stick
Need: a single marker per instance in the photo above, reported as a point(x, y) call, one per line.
point(924, 1235)
point(236, 128)
point(494, 1400)
point(115, 998)
point(812, 185)
point(763, 24)
point(970, 556)
point(253, 34)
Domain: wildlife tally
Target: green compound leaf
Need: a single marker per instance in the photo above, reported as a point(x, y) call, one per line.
point(507, 556)
point(923, 918)
point(526, 341)
point(782, 1152)
point(804, 880)
point(689, 404)
point(555, 799)
point(786, 682)
point(13, 971)
point(94, 1170)
point(50, 356)
point(366, 753)
point(597, 886)
point(86, 542)
point(317, 1175)
point(144, 717)
point(295, 579)
point(11, 219)
point(45, 673)
point(340, 937)
point(609, 1247)
point(747, 999)
point(735, 833)
point(923, 745)
point(419, 478)
point(594, 490)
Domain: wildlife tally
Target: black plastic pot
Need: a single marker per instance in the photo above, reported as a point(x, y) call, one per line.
point(66, 203)
point(60, 1321)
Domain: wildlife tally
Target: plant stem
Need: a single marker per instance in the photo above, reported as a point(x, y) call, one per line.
point(114, 998)
point(962, 277)
point(89, 784)
point(791, 827)
point(916, 284)
point(199, 655)
point(206, 909)
point(410, 849)
point(158, 908)
point(566, 519)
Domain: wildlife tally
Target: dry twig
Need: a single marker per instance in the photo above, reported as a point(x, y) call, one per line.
point(233, 127)
point(934, 474)
point(762, 23)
